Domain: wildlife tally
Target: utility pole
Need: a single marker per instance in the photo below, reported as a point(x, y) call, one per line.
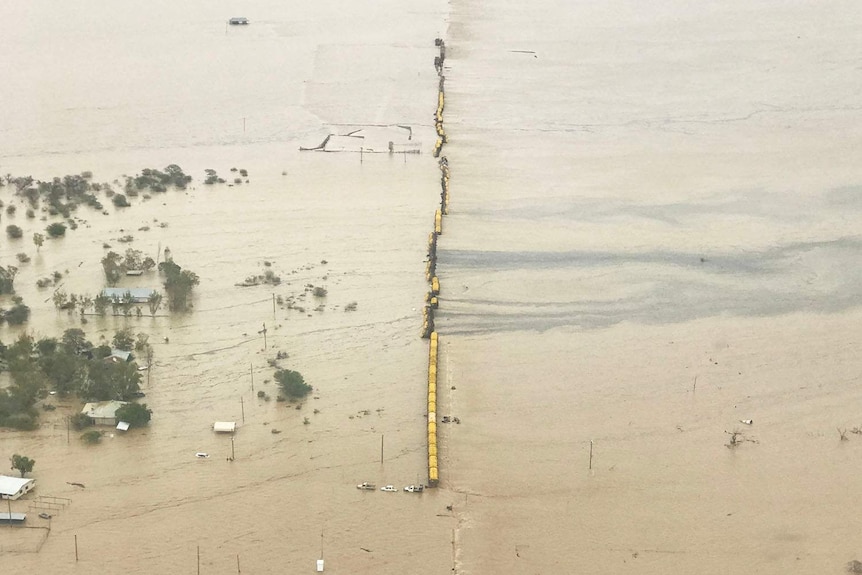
point(251, 371)
point(242, 407)
point(149, 362)
point(273, 307)
point(263, 331)
point(231, 449)
point(381, 449)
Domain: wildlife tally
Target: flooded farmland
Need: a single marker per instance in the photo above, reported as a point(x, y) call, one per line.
point(649, 302)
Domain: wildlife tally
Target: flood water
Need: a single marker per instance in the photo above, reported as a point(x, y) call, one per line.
point(652, 236)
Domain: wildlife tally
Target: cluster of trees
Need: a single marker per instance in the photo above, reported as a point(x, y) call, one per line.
point(157, 181)
point(59, 196)
point(19, 312)
point(212, 177)
point(62, 196)
point(178, 285)
point(71, 365)
point(115, 266)
point(55, 230)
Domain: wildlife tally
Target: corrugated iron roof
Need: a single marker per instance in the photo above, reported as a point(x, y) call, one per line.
point(11, 485)
point(102, 409)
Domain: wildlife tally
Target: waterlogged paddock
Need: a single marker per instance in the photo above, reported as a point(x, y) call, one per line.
point(248, 98)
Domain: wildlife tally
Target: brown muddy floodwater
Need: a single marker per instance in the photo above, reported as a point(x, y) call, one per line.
point(119, 87)
point(653, 236)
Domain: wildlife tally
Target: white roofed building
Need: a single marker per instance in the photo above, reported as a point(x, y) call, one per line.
point(103, 412)
point(14, 487)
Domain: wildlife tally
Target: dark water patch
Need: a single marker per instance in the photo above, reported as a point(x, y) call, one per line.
point(650, 287)
point(768, 206)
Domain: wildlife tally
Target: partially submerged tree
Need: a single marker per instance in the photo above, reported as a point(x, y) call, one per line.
point(101, 303)
point(135, 414)
point(75, 341)
point(111, 380)
point(133, 260)
point(91, 437)
point(124, 339)
point(154, 302)
point(292, 383)
point(28, 379)
point(66, 371)
point(56, 230)
point(17, 314)
point(7, 279)
point(23, 464)
point(178, 285)
point(80, 421)
point(113, 268)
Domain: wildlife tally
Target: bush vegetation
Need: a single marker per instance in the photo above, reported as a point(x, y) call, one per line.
point(135, 414)
point(158, 181)
point(62, 196)
point(56, 230)
point(17, 314)
point(7, 279)
point(292, 383)
point(80, 421)
point(91, 437)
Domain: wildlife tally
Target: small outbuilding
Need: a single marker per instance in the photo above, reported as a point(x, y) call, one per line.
point(120, 356)
point(14, 487)
point(238, 21)
point(224, 426)
point(103, 412)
